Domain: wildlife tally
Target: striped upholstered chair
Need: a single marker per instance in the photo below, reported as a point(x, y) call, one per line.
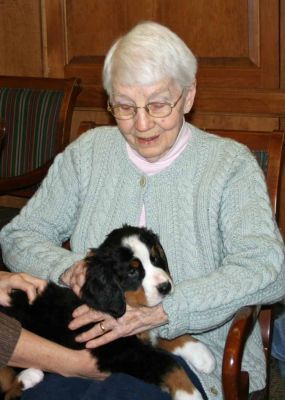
point(35, 115)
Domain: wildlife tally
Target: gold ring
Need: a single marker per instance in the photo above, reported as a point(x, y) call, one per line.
point(102, 326)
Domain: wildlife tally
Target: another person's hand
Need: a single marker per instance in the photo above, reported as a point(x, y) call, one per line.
point(74, 277)
point(28, 283)
point(37, 352)
point(107, 328)
point(83, 366)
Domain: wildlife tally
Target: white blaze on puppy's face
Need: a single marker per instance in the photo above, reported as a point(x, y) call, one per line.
point(154, 277)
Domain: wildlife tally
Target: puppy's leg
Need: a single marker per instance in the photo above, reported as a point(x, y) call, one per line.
point(9, 384)
point(192, 351)
point(178, 384)
point(141, 360)
point(30, 377)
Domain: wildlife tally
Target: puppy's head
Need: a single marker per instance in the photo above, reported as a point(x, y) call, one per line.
point(129, 267)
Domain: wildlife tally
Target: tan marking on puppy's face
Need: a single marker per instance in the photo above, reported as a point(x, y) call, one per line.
point(135, 263)
point(157, 251)
point(154, 251)
point(136, 298)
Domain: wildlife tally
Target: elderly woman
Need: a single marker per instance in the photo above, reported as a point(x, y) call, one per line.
point(205, 196)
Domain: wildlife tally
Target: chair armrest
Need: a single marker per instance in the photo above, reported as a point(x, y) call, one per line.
point(17, 183)
point(236, 382)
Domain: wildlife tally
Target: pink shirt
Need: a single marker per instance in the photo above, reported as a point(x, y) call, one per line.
point(152, 168)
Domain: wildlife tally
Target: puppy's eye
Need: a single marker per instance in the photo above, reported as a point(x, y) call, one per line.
point(132, 272)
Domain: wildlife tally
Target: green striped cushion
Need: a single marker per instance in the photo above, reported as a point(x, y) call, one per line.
point(31, 118)
point(262, 159)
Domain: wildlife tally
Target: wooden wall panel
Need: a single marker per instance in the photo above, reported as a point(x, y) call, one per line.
point(259, 68)
point(238, 51)
point(93, 28)
point(89, 30)
point(221, 17)
point(20, 38)
point(238, 48)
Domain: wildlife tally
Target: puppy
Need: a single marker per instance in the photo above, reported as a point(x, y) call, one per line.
point(129, 267)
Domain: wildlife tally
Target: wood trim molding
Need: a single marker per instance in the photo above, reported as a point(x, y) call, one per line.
point(254, 31)
point(266, 102)
point(282, 44)
point(241, 101)
point(53, 17)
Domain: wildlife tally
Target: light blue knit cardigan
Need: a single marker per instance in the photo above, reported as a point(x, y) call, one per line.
point(210, 208)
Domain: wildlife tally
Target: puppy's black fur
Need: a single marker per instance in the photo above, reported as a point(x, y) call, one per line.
point(111, 273)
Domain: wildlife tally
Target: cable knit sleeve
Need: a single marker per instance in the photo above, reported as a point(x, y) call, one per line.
point(237, 229)
point(9, 334)
point(32, 241)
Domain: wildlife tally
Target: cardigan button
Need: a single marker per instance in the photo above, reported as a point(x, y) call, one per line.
point(214, 391)
point(143, 181)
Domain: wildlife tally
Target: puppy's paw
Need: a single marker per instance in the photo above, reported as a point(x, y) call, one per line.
point(30, 377)
point(182, 395)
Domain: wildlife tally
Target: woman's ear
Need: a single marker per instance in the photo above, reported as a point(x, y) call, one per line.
point(190, 96)
point(101, 291)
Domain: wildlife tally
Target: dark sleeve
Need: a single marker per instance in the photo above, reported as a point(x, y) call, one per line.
point(9, 334)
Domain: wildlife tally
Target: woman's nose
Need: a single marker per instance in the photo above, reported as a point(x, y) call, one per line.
point(143, 121)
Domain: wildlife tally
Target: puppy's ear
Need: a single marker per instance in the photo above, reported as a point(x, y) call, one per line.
point(101, 291)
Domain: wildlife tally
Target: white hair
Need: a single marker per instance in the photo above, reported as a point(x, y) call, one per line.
point(147, 54)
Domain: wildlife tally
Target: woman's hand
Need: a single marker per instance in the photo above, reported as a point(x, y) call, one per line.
point(28, 283)
point(107, 328)
point(74, 277)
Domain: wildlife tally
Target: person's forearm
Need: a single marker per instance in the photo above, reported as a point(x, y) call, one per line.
point(37, 352)
point(34, 351)
point(32, 242)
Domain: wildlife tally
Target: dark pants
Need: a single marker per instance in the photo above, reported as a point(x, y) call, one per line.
point(116, 387)
point(278, 342)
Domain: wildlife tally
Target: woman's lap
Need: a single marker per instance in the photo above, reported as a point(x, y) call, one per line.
point(116, 387)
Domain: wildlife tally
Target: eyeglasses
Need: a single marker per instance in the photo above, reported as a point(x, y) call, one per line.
point(154, 109)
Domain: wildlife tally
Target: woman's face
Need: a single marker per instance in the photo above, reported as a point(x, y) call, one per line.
point(152, 137)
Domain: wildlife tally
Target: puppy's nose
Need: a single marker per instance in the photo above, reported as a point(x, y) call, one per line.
point(164, 288)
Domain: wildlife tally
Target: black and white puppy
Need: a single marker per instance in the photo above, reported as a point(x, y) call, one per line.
point(129, 267)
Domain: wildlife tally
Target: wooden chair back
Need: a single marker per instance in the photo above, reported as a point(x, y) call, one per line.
point(267, 146)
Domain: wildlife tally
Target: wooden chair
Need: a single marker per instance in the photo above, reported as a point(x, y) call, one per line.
point(35, 114)
point(267, 146)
